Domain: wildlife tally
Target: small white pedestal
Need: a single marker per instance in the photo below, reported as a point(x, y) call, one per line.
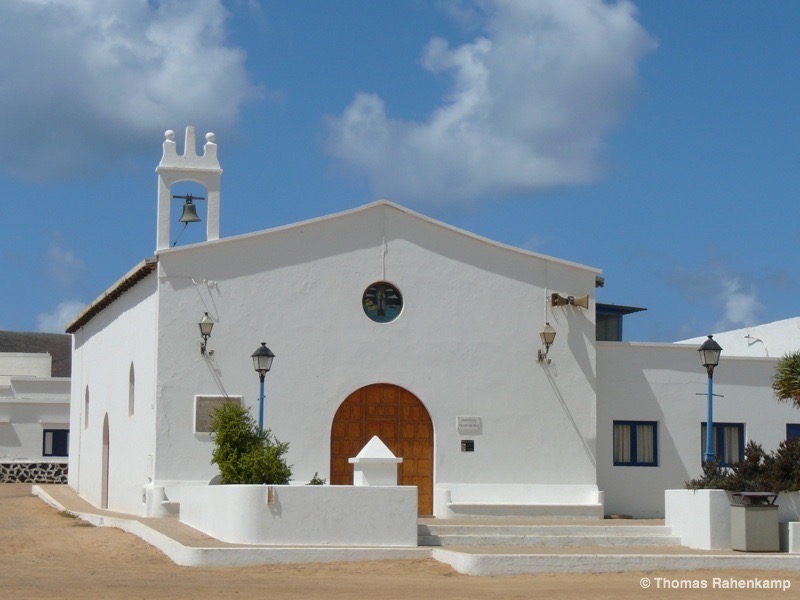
point(375, 464)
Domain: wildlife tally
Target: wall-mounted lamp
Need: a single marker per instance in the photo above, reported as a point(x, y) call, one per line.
point(547, 335)
point(206, 325)
point(557, 299)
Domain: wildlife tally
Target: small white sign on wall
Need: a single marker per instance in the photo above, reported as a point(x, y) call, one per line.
point(469, 425)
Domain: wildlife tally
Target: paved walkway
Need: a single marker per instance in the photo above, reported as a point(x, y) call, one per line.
point(187, 546)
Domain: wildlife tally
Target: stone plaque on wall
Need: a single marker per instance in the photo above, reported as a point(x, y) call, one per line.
point(204, 407)
point(469, 425)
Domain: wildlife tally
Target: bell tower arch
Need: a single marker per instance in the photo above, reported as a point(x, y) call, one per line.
point(203, 169)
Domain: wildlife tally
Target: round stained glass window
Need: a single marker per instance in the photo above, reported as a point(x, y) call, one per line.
point(382, 302)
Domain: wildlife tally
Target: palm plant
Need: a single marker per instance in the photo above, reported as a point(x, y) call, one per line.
point(786, 379)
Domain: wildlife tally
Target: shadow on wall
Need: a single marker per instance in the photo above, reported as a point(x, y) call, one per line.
point(8, 437)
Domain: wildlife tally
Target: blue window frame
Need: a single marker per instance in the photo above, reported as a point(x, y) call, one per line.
point(55, 442)
point(792, 430)
point(728, 440)
point(636, 443)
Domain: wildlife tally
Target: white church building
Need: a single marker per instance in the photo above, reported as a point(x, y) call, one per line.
point(386, 322)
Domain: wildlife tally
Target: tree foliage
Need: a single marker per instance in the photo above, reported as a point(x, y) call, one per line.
point(244, 457)
point(786, 379)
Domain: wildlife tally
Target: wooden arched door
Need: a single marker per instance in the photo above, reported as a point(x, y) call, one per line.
point(401, 421)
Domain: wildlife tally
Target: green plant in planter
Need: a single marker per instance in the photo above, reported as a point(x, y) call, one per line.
point(784, 467)
point(778, 471)
point(242, 455)
point(316, 479)
point(714, 477)
point(752, 474)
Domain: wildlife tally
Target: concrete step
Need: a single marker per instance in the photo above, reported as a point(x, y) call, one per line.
point(545, 535)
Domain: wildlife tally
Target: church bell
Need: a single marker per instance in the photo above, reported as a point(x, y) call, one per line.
point(189, 212)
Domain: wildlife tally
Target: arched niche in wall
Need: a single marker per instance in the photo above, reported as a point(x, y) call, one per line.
point(131, 391)
point(86, 408)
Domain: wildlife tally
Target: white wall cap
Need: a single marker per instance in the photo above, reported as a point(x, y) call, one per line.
point(375, 451)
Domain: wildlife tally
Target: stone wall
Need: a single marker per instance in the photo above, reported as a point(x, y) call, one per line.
point(33, 472)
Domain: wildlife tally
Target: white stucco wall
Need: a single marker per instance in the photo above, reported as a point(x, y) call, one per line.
point(465, 344)
point(661, 382)
point(103, 351)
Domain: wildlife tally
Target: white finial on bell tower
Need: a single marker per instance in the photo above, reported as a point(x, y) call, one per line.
point(174, 167)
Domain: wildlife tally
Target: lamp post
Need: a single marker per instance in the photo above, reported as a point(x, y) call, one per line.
point(709, 356)
point(262, 362)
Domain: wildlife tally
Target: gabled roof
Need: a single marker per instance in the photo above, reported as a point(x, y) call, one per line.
point(385, 204)
point(131, 278)
point(147, 266)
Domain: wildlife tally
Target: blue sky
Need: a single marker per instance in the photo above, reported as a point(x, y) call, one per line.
point(654, 140)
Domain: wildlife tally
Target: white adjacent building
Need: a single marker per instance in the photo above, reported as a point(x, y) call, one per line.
point(34, 407)
point(388, 323)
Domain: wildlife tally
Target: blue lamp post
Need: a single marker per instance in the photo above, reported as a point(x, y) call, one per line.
point(709, 356)
point(262, 362)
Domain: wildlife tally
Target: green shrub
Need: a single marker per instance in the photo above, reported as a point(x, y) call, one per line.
point(784, 467)
point(714, 477)
point(244, 457)
point(316, 479)
point(778, 471)
point(753, 473)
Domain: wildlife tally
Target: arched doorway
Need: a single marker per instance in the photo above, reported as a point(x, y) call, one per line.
point(104, 467)
point(401, 421)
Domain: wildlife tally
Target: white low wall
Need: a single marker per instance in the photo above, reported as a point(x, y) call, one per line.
point(454, 500)
point(702, 518)
point(303, 515)
point(790, 537)
point(788, 506)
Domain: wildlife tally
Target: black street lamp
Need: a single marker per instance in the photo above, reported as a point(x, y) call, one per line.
point(709, 356)
point(262, 362)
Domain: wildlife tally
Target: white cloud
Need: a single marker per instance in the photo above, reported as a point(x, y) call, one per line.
point(529, 104)
point(83, 81)
point(735, 297)
point(63, 265)
point(740, 304)
point(57, 320)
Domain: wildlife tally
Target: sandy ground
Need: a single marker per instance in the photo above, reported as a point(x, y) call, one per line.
point(45, 554)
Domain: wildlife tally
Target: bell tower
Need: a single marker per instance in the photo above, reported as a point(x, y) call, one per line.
point(174, 168)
